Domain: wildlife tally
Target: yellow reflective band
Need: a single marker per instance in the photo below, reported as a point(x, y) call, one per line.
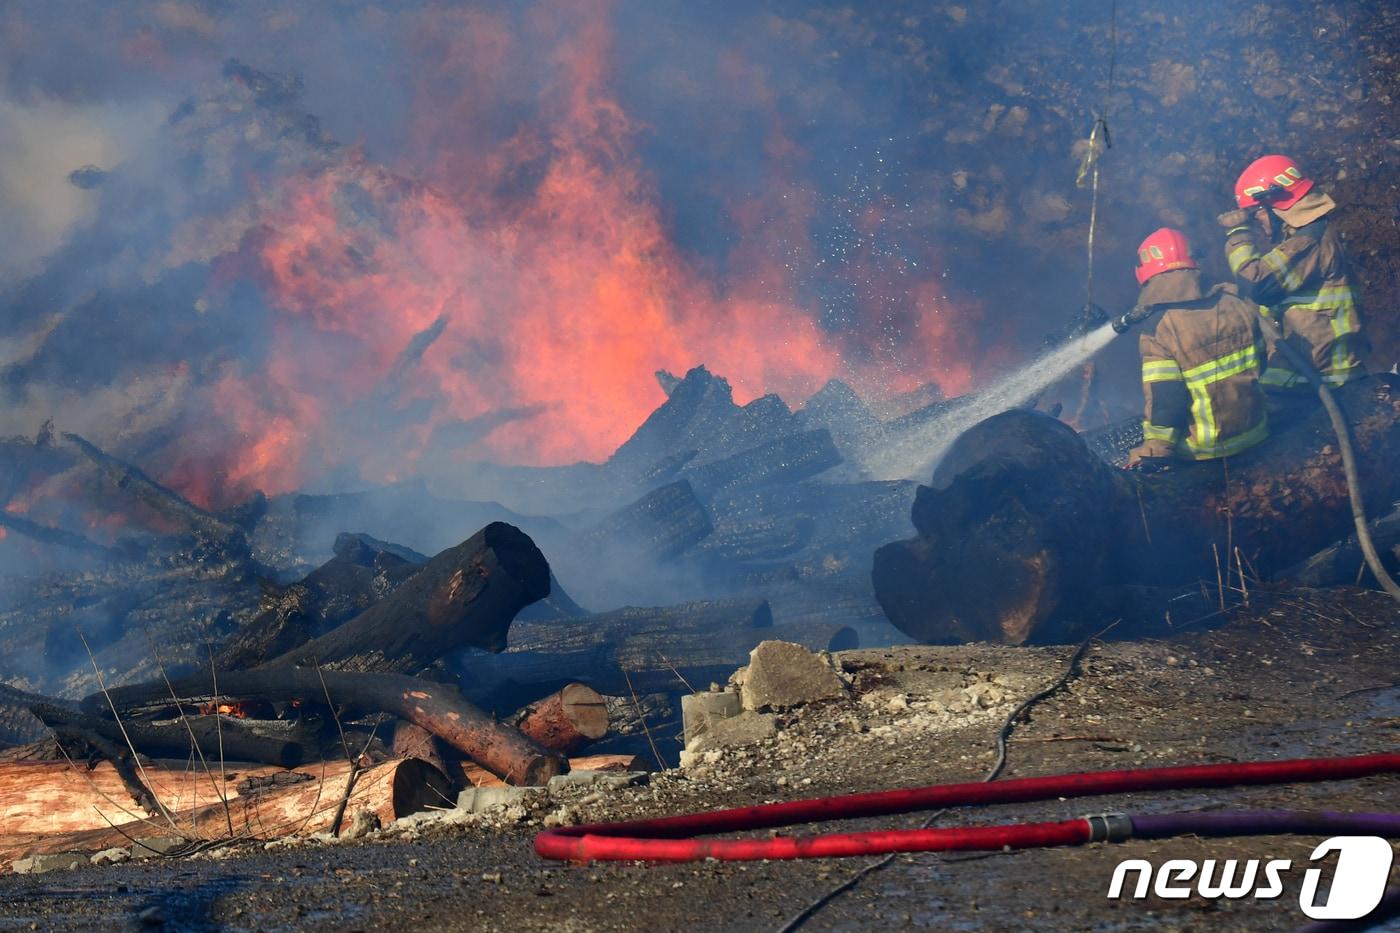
point(1231, 445)
point(1152, 432)
point(1203, 415)
point(1232, 364)
point(1160, 371)
point(1240, 255)
point(1278, 265)
point(1279, 378)
point(1338, 377)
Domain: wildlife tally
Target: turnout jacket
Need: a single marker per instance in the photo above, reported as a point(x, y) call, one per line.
point(1200, 370)
point(1304, 280)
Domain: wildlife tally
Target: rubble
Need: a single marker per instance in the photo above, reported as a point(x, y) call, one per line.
point(782, 675)
point(39, 864)
point(699, 711)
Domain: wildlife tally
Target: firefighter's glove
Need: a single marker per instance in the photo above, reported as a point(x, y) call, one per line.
point(1234, 220)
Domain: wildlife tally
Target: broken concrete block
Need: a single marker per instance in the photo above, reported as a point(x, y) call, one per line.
point(782, 675)
point(745, 729)
point(113, 856)
point(480, 799)
point(699, 710)
point(59, 861)
point(602, 779)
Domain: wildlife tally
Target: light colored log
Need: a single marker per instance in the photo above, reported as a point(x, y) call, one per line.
point(49, 807)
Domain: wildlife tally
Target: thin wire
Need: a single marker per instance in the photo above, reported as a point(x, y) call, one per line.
point(1003, 735)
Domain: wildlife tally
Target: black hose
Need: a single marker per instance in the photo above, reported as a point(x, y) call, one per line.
point(1342, 428)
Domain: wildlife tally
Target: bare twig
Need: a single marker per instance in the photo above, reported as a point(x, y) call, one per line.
point(136, 817)
point(637, 705)
point(1142, 510)
point(135, 756)
point(1219, 582)
point(219, 732)
point(189, 730)
point(345, 747)
point(679, 676)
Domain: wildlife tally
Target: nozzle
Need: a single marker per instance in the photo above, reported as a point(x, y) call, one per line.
point(1133, 318)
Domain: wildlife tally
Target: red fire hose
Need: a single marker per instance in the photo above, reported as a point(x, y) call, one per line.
point(670, 839)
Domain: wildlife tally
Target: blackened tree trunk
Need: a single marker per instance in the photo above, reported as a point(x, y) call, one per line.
point(464, 597)
point(1022, 526)
point(362, 572)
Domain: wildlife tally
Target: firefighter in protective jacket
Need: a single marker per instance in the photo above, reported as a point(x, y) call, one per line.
point(1200, 364)
point(1303, 279)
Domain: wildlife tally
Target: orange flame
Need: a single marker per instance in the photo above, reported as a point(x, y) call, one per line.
point(561, 302)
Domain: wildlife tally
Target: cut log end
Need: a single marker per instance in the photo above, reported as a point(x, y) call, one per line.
point(567, 720)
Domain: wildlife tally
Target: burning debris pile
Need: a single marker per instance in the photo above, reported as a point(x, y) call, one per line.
point(714, 527)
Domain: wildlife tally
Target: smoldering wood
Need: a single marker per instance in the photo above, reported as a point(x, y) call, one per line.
point(465, 596)
point(439, 708)
point(1022, 524)
point(18, 725)
point(566, 721)
point(363, 571)
point(1342, 561)
point(699, 422)
point(59, 537)
point(160, 498)
point(785, 459)
point(276, 742)
point(662, 524)
point(634, 650)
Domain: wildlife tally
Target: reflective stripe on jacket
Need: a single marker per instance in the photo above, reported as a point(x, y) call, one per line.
point(1200, 371)
point(1304, 279)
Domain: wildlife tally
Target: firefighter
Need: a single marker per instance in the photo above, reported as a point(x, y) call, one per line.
point(1200, 364)
point(1303, 279)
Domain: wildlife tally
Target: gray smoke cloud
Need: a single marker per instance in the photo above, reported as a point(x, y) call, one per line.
point(888, 168)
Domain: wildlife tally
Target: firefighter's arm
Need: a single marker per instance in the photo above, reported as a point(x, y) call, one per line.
point(1269, 276)
point(1168, 410)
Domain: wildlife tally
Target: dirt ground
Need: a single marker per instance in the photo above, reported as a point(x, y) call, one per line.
point(1300, 673)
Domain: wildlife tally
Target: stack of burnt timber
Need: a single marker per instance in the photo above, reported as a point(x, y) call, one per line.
point(716, 526)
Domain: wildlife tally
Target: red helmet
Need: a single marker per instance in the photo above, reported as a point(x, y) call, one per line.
point(1273, 181)
point(1163, 251)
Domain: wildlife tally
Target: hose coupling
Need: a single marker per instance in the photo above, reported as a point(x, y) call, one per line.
point(1109, 827)
point(1134, 317)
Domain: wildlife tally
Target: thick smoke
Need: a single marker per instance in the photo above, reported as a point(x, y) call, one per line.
point(323, 245)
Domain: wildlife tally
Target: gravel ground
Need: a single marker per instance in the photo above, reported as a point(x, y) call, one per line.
point(1293, 676)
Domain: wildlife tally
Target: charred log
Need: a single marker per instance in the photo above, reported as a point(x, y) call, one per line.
point(782, 460)
point(160, 498)
point(268, 741)
point(363, 571)
point(18, 725)
point(465, 596)
point(699, 421)
point(662, 524)
point(438, 708)
point(58, 537)
point(634, 650)
point(1022, 523)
